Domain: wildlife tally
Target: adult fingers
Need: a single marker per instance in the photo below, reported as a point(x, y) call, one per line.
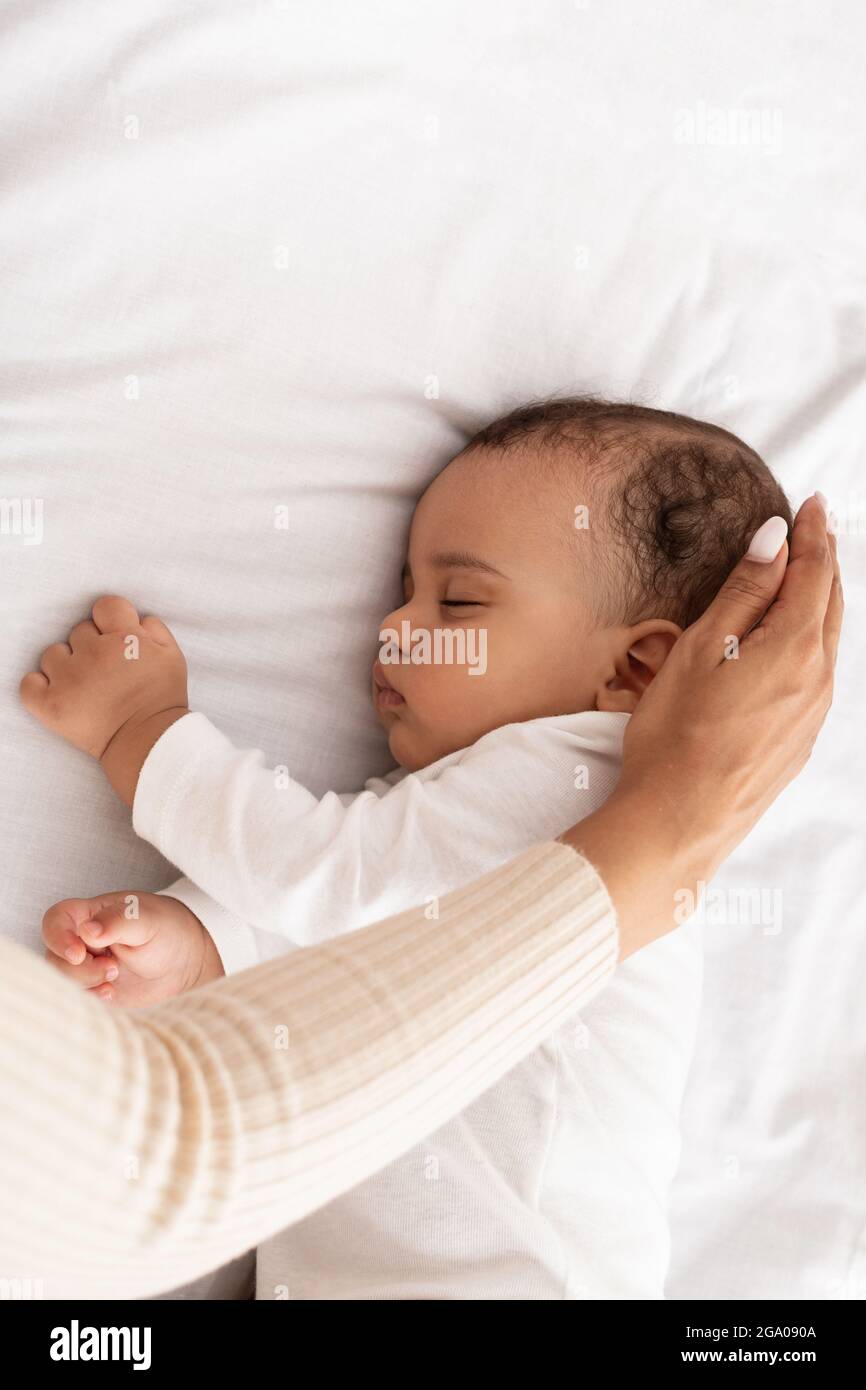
point(801, 605)
point(747, 592)
point(835, 605)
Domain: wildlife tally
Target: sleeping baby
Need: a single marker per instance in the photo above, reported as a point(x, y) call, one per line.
point(551, 567)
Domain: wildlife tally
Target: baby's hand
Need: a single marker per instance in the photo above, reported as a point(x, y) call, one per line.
point(113, 673)
point(132, 949)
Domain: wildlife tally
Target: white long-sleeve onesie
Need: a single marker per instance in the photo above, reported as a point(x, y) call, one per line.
point(554, 1183)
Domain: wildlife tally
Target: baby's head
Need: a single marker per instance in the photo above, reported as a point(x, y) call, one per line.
point(577, 538)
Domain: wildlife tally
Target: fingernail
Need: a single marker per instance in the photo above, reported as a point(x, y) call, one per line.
point(768, 540)
point(824, 503)
point(112, 973)
point(71, 954)
point(94, 928)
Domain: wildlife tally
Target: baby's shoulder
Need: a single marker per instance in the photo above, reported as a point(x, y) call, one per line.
point(525, 749)
point(532, 744)
point(597, 730)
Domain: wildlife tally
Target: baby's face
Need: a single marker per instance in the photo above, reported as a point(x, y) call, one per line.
point(493, 558)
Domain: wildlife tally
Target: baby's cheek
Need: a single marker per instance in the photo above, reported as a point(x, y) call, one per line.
point(473, 706)
point(439, 710)
point(451, 691)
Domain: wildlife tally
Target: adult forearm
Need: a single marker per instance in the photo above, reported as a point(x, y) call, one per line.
point(649, 852)
point(148, 1147)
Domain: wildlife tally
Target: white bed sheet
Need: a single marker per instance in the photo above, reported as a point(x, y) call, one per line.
point(267, 255)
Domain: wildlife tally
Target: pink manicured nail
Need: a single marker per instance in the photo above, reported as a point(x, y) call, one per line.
point(768, 540)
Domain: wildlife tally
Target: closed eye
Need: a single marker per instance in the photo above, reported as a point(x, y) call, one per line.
point(461, 603)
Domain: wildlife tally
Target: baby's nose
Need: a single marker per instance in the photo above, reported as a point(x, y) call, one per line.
point(394, 620)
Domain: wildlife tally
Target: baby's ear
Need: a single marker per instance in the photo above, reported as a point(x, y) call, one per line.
point(649, 653)
point(644, 651)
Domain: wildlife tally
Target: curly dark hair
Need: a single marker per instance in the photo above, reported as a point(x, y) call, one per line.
point(684, 496)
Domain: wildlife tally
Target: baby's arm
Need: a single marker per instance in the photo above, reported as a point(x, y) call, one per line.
point(261, 845)
point(332, 868)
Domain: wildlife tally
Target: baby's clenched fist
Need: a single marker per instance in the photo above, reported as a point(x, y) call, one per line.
point(114, 672)
point(131, 949)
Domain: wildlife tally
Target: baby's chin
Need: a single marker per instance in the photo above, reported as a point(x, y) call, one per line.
point(414, 749)
point(411, 748)
point(404, 748)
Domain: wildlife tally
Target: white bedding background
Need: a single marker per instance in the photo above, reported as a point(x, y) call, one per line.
point(269, 255)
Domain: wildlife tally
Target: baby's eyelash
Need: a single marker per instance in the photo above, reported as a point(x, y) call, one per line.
point(460, 603)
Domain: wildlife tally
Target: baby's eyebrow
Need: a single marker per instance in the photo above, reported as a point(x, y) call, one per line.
point(457, 560)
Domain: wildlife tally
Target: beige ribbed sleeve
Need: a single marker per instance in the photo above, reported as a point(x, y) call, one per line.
point(142, 1149)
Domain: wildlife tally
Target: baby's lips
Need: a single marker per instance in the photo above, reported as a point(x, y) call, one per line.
point(381, 680)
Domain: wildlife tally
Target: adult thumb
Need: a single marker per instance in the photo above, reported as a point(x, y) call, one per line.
point(751, 586)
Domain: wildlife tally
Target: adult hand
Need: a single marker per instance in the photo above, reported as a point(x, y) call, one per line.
point(727, 723)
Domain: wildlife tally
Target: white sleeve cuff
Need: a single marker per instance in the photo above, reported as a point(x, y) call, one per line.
point(234, 939)
point(168, 769)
